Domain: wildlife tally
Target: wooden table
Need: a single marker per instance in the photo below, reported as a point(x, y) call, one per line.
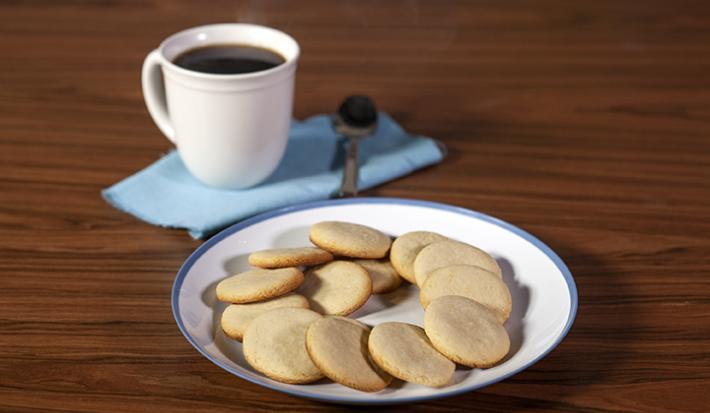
point(585, 123)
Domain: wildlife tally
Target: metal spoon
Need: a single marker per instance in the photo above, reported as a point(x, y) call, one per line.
point(356, 119)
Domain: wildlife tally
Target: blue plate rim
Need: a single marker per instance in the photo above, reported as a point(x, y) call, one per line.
point(189, 262)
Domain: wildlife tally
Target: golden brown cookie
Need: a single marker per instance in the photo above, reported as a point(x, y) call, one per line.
point(338, 346)
point(469, 281)
point(275, 345)
point(350, 240)
point(336, 288)
point(465, 331)
point(445, 253)
point(258, 284)
point(384, 278)
point(405, 249)
point(236, 317)
point(289, 257)
point(404, 351)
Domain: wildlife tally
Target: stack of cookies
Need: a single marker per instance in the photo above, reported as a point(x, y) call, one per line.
point(290, 312)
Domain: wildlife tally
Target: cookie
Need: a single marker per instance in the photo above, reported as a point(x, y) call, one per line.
point(350, 240)
point(338, 346)
point(405, 249)
point(236, 317)
point(384, 278)
point(289, 257)
point(404, 351)
point(258, 285)
point(469, 281)
point(445, 253)
point(465, 331)
point(336, 288)
point(275, 345)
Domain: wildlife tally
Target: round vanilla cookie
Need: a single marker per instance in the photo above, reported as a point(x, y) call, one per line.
point(469, 281)
point(350, 240)
point(445, 253)
point(465, 331)
point(336, 288)
point(338, 346)
point(275, 345)
point(289, 257)
point(405, 249)
point(404, 351)
point(236, 317)
point(384, 277)
point(258, 284)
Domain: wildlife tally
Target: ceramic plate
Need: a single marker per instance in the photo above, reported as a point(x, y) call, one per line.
point(543, 291)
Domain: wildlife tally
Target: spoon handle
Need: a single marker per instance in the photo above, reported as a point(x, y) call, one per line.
point(350, 171)
point(356, 119)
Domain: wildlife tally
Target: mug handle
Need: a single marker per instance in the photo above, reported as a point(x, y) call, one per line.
point(154, 94)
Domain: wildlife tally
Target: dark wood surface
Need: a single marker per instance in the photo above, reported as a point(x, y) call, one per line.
point(585, 123)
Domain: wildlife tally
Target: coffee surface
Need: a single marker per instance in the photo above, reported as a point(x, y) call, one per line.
point(228, 59)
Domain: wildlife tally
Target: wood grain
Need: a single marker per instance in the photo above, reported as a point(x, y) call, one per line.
point(585, 123)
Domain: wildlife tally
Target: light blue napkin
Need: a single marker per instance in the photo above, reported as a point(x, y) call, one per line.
point(165, 193)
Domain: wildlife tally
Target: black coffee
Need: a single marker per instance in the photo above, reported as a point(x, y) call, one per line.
point(228, 59)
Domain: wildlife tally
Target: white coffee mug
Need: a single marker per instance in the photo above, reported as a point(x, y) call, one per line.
point(230, 130)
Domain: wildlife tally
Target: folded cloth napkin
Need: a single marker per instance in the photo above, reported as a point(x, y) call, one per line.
point(165, 193)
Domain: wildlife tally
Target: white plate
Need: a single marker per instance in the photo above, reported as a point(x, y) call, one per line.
point(543, 291)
